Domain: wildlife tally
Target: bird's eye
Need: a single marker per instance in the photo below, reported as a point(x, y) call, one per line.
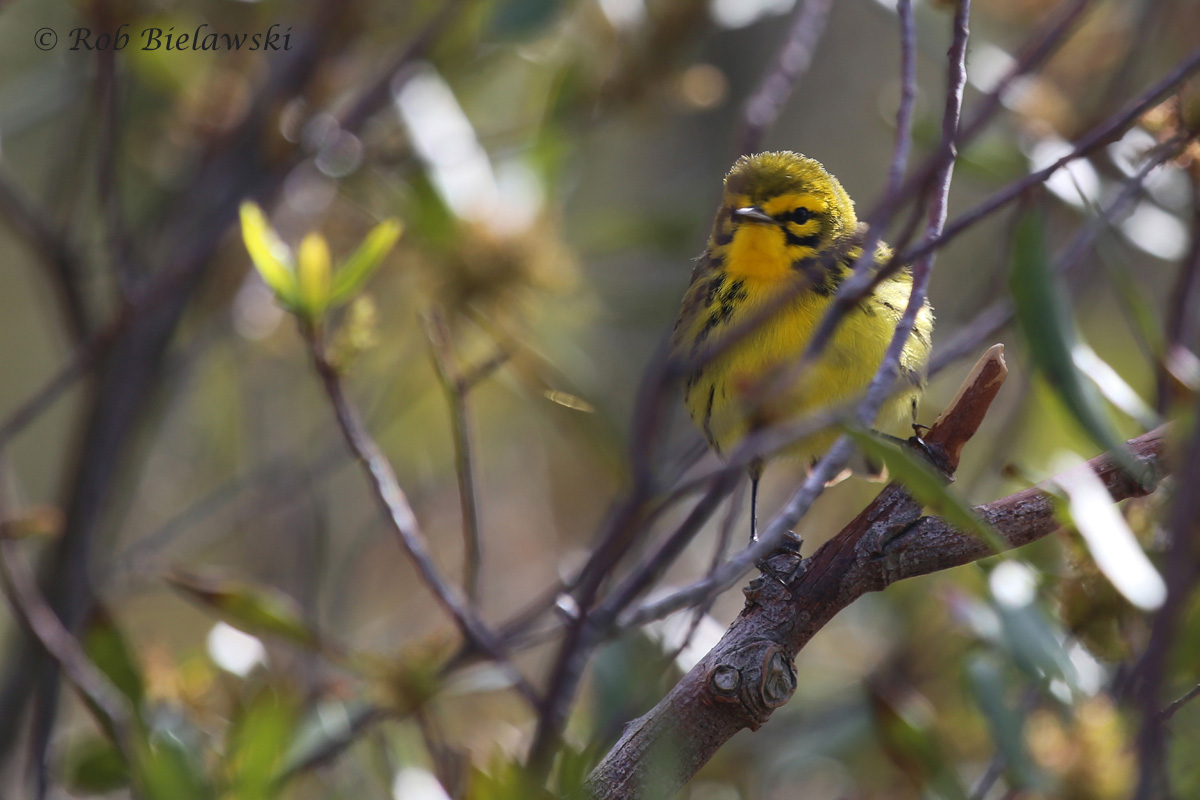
point(799, 215)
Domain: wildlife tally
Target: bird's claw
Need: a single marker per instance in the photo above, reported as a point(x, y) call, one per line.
point(785, 564)
point(933, 453)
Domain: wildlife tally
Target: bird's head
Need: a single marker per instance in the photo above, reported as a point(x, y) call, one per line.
point(779, 209)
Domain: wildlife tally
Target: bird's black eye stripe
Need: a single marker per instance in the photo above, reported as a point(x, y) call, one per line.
point(798, 215)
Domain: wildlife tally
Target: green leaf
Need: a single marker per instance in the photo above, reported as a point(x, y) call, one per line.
point(169, 769)
point(270, 255)
point(107, 649)
point(1044, 316)
point(255, 610)
point(260, 736)
point(95, 766)
point(987, 683)
point(1030, 638)
point(925, 485)
point(366, 259)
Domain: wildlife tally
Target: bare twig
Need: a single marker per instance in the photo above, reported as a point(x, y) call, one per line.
point(724, 536)
point(1041, 45)
point(108, 149)
point(995, 316)
point(66, 267)
point(791, 62)
point(1096, 138)
point(385, 84)
point(1181, 573)
point(31, 608)
point(403, 522)
point(456, 389)
point(1182, 325)
point(1165, 714)
point(908, 98)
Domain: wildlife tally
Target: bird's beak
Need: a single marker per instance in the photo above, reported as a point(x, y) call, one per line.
point(753, 214)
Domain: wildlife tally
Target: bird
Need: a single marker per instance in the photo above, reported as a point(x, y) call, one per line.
point(786, 234)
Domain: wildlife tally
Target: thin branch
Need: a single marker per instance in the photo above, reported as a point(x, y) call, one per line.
point(724, 536)
point(908, 98)
point(988, 321)
point(108, 149)
point(1040, 47)
point(30, 607)
point(456, 389)
point(1173, 709)
point(1182, 324)
point(403, 522)
point(50, 244)
point(1182, 571)
point(1095, 139)
point(790, 63)
point(382, 88)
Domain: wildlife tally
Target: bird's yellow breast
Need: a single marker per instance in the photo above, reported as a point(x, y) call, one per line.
point(732, 394)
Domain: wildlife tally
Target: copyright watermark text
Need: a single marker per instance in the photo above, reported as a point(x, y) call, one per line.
point(202, 37)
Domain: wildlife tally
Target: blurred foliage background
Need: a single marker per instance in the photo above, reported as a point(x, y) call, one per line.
point(555, 167)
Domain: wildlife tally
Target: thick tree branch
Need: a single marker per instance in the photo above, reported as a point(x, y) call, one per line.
point(750, 672)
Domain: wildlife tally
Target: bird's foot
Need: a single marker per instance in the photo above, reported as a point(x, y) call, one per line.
point(933, 453)
point(785, 565)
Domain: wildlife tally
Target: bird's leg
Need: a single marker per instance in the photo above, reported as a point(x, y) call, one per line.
point(790, 546)
point(756, 471)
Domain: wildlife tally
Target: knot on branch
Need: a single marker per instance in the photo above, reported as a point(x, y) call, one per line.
point(778, 678)
point(725, 680)
point(758, 683)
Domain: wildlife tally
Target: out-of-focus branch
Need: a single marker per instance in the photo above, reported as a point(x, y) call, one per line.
point(1096, 138)
point(1181, 571)
point(750, 672)
point(908, 98)
point(126, 353)
point(1171, 710)
point(995, 316)
point(50, 245)
point(403, 522)
point(790, 63)
point(31, 608)
point(1182, 322)
point(377, 94)
point(456, 389)
point(1032, 54)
